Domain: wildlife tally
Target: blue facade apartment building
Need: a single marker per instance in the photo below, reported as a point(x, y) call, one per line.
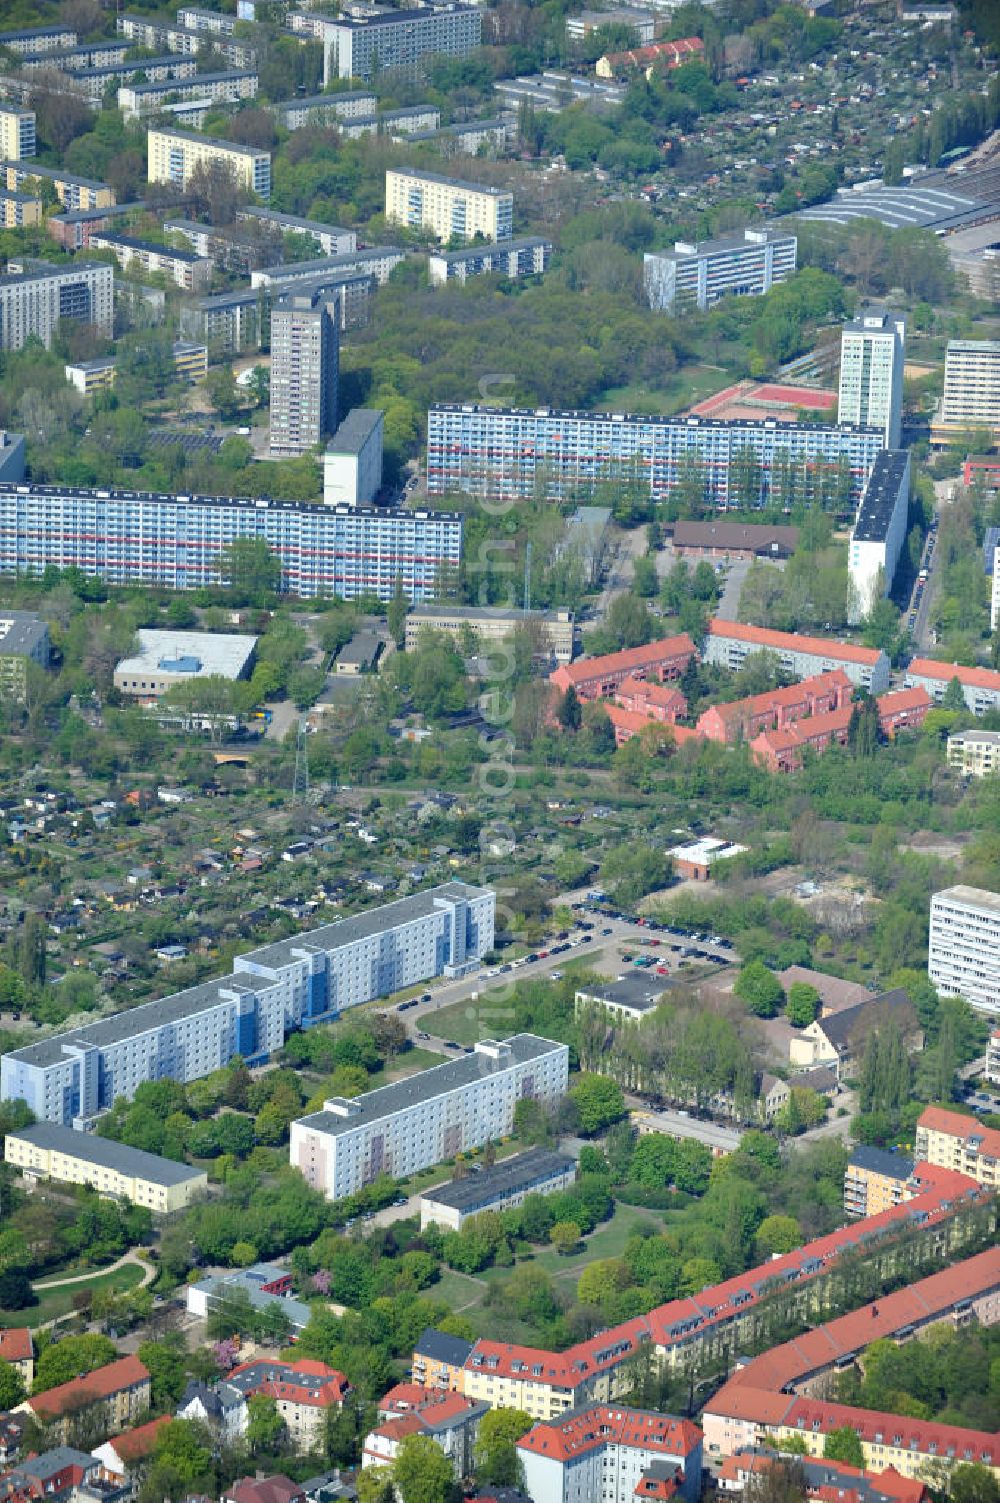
point(510, 453)
point(295, 983)
point(174, 542)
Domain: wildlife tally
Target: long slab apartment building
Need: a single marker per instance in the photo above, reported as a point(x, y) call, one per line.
point(298, 982)
point(174, 542)
point(698, 274)
point(172, 156)
point(397, 40)
point(33, 302)
point(417, 1122)
point(503, 453)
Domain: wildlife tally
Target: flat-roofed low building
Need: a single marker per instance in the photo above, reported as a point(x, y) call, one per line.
point(360, 654)
point(694, 859)
point(874, 1180)
point(499, 1188)
point(352, 463)
point(642, 22)
point(50, 1151)
point(491, 624)
point(974, 753)
point(190, 272)
point(168, 658)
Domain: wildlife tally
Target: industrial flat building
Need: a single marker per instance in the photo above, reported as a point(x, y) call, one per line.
point(498, 1188)
point(168, 658)
point(49, 1150)
point(298, 982)
point(427, 1118)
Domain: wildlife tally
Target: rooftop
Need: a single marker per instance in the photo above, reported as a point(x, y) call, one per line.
point(724, 244)
point(475, 613)
point(691, 422)
point(846, 1029)
point(487, 1059)
point(596, 1425)
point(130, 242)
point(355, 431)
point(957, 1125)
point(258, 503)
point(585, 669)
point(106, 1153)
point(216, 142)
point(292, 221)
point(506, 1178)
point(755, 535)
point(642, 993)
point(707, 850)
point(190, 652)
point(881, 1161)
point(784, 641)
point(200, 80)
point(20, 632)
point(977, 738)
point(438, 1346)
point(449, 182)
point(68, 1398)
point(397, 17)
point(45, 272)
point(974, 678)
point(881, 497)
point(473, 252)
point(50, 1463)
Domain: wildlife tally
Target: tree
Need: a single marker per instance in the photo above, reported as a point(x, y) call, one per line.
point(216, 190)
point(568, 710)
point(565, 1237)
point(374, 1485)
point(971, 1482)
point(12, 1389)
point(778, 1234)
point(496, 1446)
point(70, 1358)
point(265, 1427)
point(844, 1444)
point(776, 1481)
point(760, 989)
point(802, 1004)
point(396, 611)
point(250, 569)
point(954, 698)
point(422, 1472)
point(598, 1101)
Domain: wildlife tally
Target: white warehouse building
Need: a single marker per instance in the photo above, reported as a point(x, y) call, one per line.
point(963, 957)
point(426, 1118)
point(298, 982)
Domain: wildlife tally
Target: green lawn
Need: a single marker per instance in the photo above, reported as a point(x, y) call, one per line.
point(56, 1302)
point(683, 389)
point(608, 1241)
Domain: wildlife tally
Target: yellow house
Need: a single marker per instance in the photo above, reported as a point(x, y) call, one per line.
point(50, 1151)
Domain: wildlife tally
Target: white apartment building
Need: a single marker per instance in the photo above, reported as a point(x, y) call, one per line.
point(295, 983)
point(872, 356)
point(427, 1118)
point(995, 591)
point(17, 133)
point(33, 302)
point(699, 273)
point(305, 367)
point(879, 532)
point(507, 1184)
point(141, 98)
point(320, 109)
point(172, 156)
point(730, 643)
point(974, 753)
point(613, 1454)
point(971, 389)
point(352, 464)
point(992, 1071)
point(397, 40)
point(964, 952)
point(448, 206)
point(184, 268)
point(527, 257)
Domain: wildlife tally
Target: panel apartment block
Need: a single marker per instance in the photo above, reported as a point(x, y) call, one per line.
point(378, 261)
point(142, 98)
point(34, 39)
point(730, 643)
point(298, 982)
point(971, 388)
point(33, 302)
point(527, 257)
point(698, 274)
point(172, 156)
point(435, 1115)
point(330, 238)
point(17, 132)
point(872, 356)
point(49, 1150)
point(879, 532)
point(398, 41)
point(186, 270)
point(173, 542)
point(72, 192)
point(145, 31)
point(305, 363)
point(448, 207)
point(326, 109)
point(963, 958)
point(95, 81)
point(498, 453)
point(18, 210)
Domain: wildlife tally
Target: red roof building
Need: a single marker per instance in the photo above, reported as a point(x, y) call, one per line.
point(598, 678)
point(303, 1390)
point(276, 1489)
point(545, 1383)
point(980, 686)
point(960, 1143)
point(743, 719)
point(730, 643)
point(53, 1474)
point(829, 1481)
point(609, 1452)
point(772, 1395)
point(125, 1451)
point(902, 710)
point(121, 1386)
point(449, 1419)
point(17, 1348)
point(657, 54)
point(654, 701)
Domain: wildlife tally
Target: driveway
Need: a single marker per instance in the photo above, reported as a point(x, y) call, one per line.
point(728, 606)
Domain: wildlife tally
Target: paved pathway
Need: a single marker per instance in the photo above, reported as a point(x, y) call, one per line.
point(148, 1274)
